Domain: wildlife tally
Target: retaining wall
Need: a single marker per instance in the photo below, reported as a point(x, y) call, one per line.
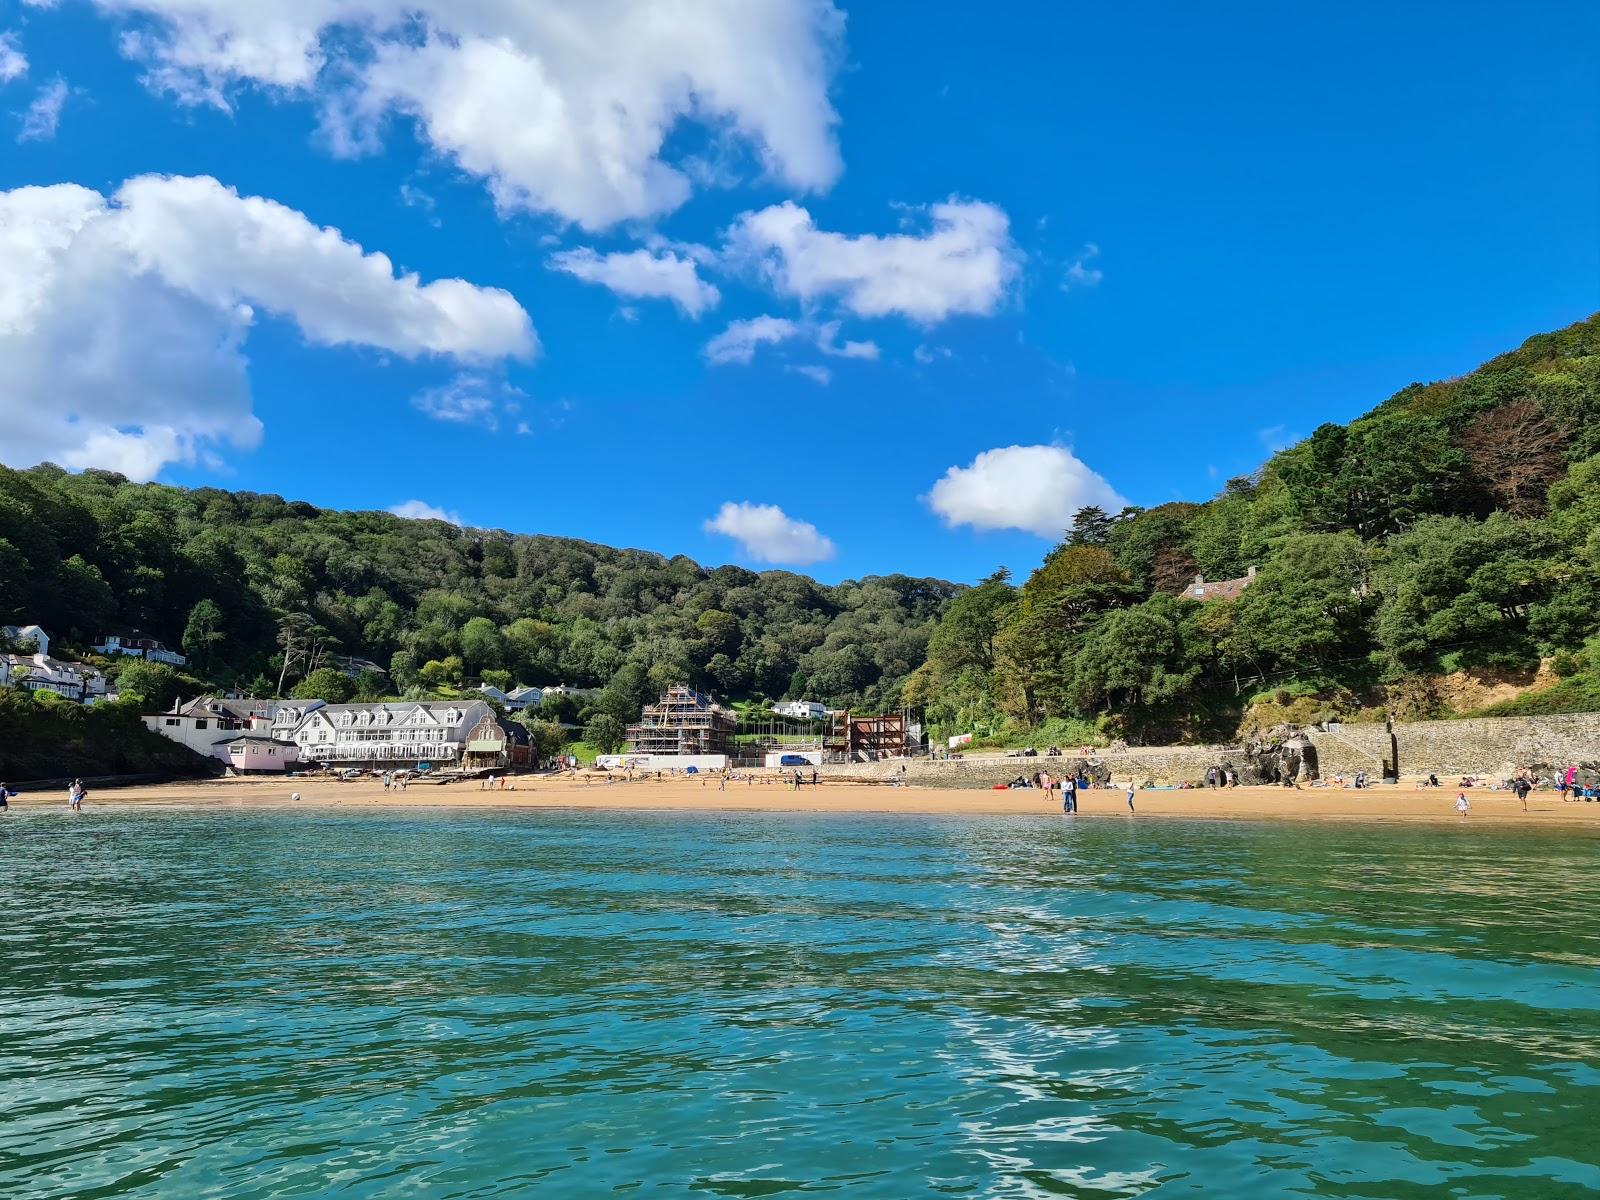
point(1477, 744)
point(1490, 745)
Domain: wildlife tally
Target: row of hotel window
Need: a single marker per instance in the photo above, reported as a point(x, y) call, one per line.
point(373, 735)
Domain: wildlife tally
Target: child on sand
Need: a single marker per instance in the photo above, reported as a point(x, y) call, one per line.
point(1461, 803)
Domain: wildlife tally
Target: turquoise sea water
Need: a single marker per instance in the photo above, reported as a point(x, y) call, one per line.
point(579, 1004)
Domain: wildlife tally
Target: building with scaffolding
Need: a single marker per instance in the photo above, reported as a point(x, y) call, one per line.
point(683, 722)
point(853, 738)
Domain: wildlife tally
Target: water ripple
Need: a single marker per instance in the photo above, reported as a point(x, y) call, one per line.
point(478, 1004)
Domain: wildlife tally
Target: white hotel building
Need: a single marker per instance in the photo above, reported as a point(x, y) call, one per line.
point(389, 735)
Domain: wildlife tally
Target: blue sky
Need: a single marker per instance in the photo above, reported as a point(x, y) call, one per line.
point(1007, 261)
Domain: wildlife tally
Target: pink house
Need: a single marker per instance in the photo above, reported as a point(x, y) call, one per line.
point(257, 752)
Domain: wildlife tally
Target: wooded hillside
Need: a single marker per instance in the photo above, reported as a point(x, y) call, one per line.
point(1457, 525)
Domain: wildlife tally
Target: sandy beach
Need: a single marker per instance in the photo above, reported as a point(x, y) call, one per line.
point(1399, 803)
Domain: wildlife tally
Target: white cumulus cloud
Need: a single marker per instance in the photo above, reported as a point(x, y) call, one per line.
point(560, 106)
point(421, 510)
point(766, 533)
point(123, 318)
point(642, 275)
point(1032, 488)
point(964, 263)
point(13, 62)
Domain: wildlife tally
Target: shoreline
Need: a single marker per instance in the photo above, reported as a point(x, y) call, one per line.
point(1378, 805)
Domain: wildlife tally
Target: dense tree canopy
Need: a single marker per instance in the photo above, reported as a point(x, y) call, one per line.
point(258, 586)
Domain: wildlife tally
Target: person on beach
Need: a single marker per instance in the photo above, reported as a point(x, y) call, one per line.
point(1462, 806)
point(5, 797)
point(1522, 787)
point(75, 795)
point(1131, 788)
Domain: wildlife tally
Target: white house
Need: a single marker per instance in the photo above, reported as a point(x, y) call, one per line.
point(207, 720)
point(13, 634)
point(390, 735)
point(287, 715)
point(805, 710)
point(133, 644)
point(562, 689)
point(78, 682)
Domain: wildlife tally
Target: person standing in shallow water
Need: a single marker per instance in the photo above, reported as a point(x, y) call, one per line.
point(1131, 786)
point(1069, 795)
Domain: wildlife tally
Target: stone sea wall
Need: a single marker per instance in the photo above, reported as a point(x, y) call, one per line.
point(1479, 745)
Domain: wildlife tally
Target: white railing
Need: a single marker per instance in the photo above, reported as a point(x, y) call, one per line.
point(380, 752)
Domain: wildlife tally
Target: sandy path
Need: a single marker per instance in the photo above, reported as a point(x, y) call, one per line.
point(1403, 803)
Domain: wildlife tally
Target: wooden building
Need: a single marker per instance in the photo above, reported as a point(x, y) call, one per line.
point(854, 738)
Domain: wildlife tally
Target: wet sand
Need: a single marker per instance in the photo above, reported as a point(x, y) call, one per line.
point(1400, 803)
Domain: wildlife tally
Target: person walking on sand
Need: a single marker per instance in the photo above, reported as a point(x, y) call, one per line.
point(1522, 787)
point(1462, 806)
point(1131, 787)
point(1069, 795)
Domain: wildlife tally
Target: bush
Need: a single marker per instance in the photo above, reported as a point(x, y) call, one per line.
point(50, 739)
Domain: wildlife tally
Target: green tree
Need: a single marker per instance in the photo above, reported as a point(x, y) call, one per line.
point(604, 732)
point(481, 644)
point(1091, 526)
point(547, 737)
point(325, 683)
point(370, 686)
point(204, 633)
point(85, 597)
point(152, 686)
point(1307, 605)
point(1470, 586)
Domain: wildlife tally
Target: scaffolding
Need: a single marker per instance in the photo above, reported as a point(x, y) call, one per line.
point(852, 738)
point(683, 721)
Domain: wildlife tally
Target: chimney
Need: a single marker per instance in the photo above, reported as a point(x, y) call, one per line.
point(1250, 574)
point(1199, 580)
